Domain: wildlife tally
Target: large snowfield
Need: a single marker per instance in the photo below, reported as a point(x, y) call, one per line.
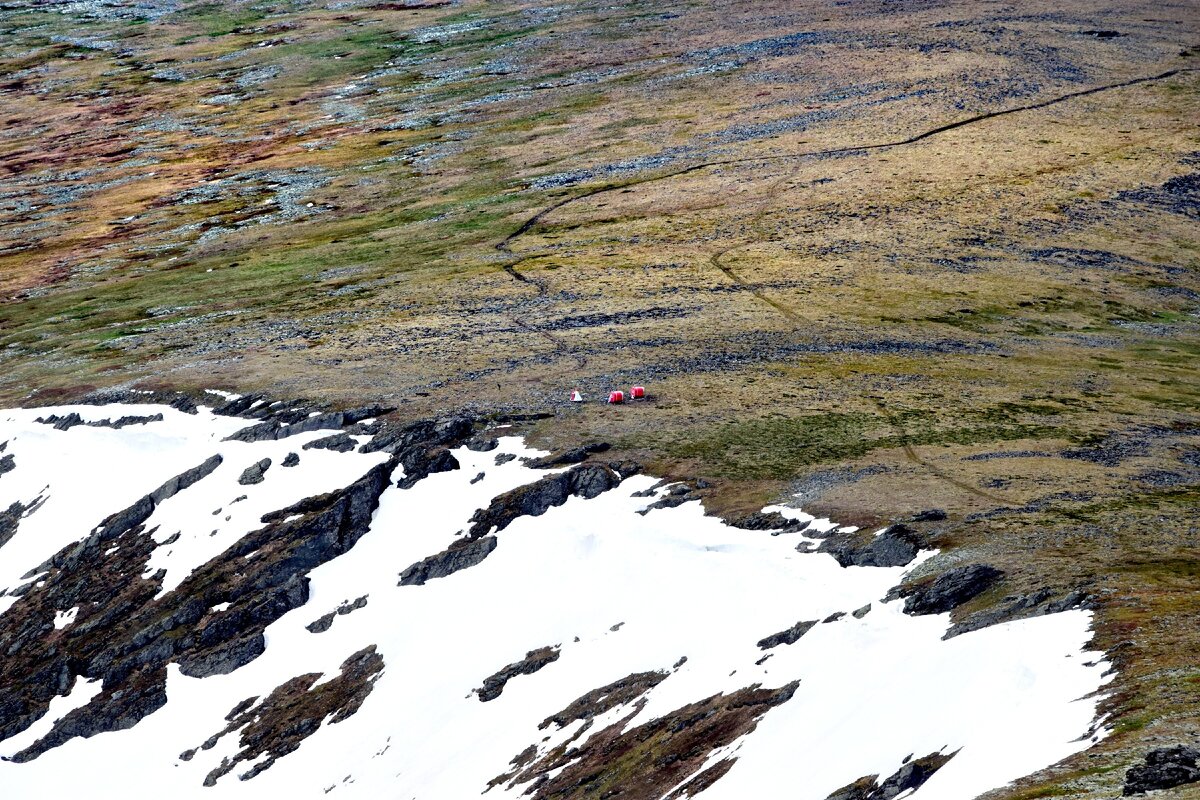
point(618, 592)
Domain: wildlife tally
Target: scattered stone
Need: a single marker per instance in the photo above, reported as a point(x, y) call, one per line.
point(290, 460)
point(859, 613)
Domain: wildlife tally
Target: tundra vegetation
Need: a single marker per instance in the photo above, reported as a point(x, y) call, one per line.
point(764, 211)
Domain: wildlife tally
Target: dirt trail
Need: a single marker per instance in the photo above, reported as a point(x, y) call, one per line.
point(505, 245)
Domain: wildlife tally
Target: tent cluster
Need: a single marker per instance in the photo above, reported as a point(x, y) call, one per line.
point(615, 397)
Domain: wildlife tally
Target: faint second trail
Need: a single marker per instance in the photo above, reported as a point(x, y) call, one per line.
point(505, 245)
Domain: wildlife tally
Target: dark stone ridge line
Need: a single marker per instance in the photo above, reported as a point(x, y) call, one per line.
point(68, 421)
point(493, 685)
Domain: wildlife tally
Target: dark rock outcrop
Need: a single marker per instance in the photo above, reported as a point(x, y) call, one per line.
point(293, 712)
point(950, 589)
point(654, 756)
point(789, 636)
point(323, 623)
point(254, 473)
point(420, 462)
point(911, 776)
point(7, 464)
point(576, 456)
point(126, 635)
point(534, 499)
point(462, 554)
point(493, 685)
point(1164, 768)
point(1034, 604)
point(290, 460)
point(895, 547)
point(338, 442)
point(68, 421)
point(773, 521)
point(281, 425)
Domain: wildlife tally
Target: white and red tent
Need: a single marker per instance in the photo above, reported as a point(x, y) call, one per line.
point(576, 396)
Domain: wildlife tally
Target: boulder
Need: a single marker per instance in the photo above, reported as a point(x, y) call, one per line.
point(1164, 768)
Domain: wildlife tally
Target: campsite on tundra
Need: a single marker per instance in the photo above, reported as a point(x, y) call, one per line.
point(439, 399)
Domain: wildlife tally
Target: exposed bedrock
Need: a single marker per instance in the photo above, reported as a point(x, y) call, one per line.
point(292, 712)
point(575, 456)
point(125, 636)
point(646, 761)
point(534, 660)
point(1164, 768)
point(534, 499)
point(464, 553)
point(254, 473)
point(789, 636)
point(910, 777)
point(949, 590)
point(895, 547)
point(283, 424)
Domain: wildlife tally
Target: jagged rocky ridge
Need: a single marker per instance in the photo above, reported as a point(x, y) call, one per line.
point(126, 621)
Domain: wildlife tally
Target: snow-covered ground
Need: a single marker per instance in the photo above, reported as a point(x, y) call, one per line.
point(618, 592)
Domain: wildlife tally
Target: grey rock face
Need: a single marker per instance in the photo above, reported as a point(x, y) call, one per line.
point(338, 442)
point(587, 480)
point(774, 521)
point(789, 636)
point(575, 456)
point(534, 660)
point(254, 473)
point(911, 776)
point(951, 589)
point(1164, 768)
point(420, 462)
point(895, 547)
point(462, 554)
point(290, 460)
